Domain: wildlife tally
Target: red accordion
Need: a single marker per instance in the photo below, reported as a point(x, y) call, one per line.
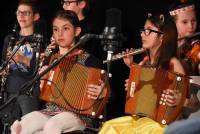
point(67, 87)
point(144, 92)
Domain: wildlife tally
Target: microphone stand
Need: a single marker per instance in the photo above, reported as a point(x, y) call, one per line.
point(37, 56)
point(2, 67)
point(5, 64)
point(109, 59)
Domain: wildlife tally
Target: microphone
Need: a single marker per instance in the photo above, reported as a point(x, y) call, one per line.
point(111, 36)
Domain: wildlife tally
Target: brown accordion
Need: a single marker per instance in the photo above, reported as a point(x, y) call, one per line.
point(144, 94)
point(67, 87)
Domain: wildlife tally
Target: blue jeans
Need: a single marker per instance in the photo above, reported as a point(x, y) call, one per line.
point(27, 104)
point(189, 126)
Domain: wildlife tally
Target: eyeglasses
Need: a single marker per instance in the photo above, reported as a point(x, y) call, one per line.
point(68, 2)
point(147, 32)
point(24, 13)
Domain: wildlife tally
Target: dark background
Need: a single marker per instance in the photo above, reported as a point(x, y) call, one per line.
point(134, 13)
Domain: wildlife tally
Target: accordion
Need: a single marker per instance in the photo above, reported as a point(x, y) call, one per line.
point(145, 89)
point(66, 86)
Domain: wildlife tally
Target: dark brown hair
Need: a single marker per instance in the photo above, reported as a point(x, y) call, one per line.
point(32, 3)
point(68, 15)
point(168, 48)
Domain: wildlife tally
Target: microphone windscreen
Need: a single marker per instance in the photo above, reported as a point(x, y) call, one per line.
point(113, 18)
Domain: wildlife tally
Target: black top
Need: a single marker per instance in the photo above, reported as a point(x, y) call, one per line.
point(20, 73)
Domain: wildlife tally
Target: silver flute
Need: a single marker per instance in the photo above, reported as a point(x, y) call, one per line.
point(122, 55)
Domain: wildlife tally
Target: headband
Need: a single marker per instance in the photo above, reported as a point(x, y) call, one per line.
point(183, 9)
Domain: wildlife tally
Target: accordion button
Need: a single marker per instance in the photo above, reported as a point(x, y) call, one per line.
point(163, 122)
point(163, 104)
point(178, 78)
point(103, 71)
point(101, 117)
point(93, 113)
point(191, 81)
point(160, 102)
point(166, 96)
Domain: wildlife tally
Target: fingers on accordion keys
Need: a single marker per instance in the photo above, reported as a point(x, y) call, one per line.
point(126, 84)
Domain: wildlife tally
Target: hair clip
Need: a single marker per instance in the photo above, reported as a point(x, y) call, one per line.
point(162, 18)
point(149, 15)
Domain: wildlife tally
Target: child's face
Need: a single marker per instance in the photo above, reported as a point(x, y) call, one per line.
point(73, 6)
point(64, 32)
point(151, 39)
point(25, 16)
point(186, 23)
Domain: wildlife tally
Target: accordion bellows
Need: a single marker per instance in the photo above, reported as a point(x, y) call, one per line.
point(145, 89)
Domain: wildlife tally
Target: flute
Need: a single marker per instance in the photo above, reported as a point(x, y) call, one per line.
point(122, 55)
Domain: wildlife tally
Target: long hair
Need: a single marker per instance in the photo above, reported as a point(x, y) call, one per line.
point(168, 48)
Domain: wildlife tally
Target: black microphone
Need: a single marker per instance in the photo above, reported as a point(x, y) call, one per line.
point(111, 36)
